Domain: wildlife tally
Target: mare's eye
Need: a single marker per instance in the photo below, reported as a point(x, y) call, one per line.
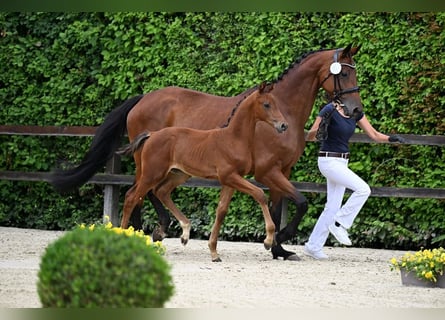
point(344, 74)
point(266, 105)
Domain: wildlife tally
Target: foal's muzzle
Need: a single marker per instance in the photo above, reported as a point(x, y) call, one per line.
point(281, 126)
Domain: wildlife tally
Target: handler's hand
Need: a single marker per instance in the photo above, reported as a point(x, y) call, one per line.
point(396, 138)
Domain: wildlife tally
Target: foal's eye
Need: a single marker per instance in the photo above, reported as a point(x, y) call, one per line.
point(266, 105)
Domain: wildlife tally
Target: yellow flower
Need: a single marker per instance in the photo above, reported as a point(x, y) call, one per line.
point(118, 230)
point(130, 232)
point(426, 264)
point(428, 275)
point(394, 262)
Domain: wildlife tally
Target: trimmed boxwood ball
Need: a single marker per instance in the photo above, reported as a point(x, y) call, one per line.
point(102, 268)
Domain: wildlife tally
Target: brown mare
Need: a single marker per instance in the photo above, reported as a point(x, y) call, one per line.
point(295, 91)
point(223, 154)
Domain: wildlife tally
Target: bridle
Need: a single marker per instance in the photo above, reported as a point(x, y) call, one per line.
point(335, 69)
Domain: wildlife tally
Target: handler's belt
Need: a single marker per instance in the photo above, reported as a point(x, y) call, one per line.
point(333, 154)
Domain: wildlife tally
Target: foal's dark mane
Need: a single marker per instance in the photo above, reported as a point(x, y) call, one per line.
point(247, 93)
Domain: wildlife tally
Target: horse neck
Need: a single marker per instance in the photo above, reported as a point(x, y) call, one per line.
point(242, 124)
point(298, 89)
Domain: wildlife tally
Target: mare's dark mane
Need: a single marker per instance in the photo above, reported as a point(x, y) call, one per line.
point(278, 79)
point(296, 62)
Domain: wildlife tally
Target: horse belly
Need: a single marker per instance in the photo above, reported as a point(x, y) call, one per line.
point(201, 170)
point(194, 153)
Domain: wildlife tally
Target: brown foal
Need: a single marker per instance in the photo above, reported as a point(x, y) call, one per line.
point(223, 154)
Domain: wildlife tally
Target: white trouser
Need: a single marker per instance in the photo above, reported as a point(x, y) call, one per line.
point(338, 177)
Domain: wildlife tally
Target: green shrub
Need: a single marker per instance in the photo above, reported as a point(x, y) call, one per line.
point(59, 68)
point(103, 267)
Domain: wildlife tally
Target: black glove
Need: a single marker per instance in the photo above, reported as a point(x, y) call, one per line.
point(396, 138)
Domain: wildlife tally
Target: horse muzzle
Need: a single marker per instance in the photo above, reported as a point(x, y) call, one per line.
point(352, 110)
point(281, 126)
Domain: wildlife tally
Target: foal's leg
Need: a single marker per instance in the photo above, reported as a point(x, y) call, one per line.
point(224, 200)
point(174, 179)
point(149, 173)
point(239, 183)
point(131, 201)
point(164, 194)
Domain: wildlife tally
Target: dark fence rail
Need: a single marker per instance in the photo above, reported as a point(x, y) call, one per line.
point(112, 178)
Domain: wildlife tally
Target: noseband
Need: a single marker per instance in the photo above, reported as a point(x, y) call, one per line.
point(335, 70)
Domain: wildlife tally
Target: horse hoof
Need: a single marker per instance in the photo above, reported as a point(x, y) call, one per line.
point(217, 259)
point(158, 234)
point(267, 246)
point(292, 257)
point(278, 251)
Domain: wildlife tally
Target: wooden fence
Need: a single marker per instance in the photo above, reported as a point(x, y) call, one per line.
point(112, 179)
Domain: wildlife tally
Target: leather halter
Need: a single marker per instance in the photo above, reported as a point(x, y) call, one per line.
point(338, 92)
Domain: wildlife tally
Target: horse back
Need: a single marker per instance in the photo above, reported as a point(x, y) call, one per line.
point(179, 107)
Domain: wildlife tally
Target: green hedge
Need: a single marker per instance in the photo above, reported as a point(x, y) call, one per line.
point(74, 68)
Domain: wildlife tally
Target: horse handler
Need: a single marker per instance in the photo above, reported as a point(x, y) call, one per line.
point(334, 129)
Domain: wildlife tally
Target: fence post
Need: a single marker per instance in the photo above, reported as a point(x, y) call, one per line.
point(284, 205)
point(111, 192)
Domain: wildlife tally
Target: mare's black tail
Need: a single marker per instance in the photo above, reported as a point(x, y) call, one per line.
point(105, 142)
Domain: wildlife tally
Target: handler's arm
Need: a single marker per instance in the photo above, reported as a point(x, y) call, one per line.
point(313, 131)
point(371, 131)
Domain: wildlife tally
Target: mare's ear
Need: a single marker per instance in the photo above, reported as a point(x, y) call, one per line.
point(355, 50)
point(265, 87)
point(345, 52)
point(262, 87)
point(350, 51)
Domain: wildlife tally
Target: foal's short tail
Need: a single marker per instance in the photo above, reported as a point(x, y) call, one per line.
point(105, 142)
point(131, 148)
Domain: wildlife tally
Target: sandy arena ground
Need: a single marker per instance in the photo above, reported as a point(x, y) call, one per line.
point(247, 278)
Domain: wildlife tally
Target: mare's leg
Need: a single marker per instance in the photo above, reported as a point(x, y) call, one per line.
point(223, 205)
point(280, 185)
point(135, 218)
point(160, 232)
point(239, 183)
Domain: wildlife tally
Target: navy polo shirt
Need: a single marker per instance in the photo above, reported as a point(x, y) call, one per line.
point(340, 130)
